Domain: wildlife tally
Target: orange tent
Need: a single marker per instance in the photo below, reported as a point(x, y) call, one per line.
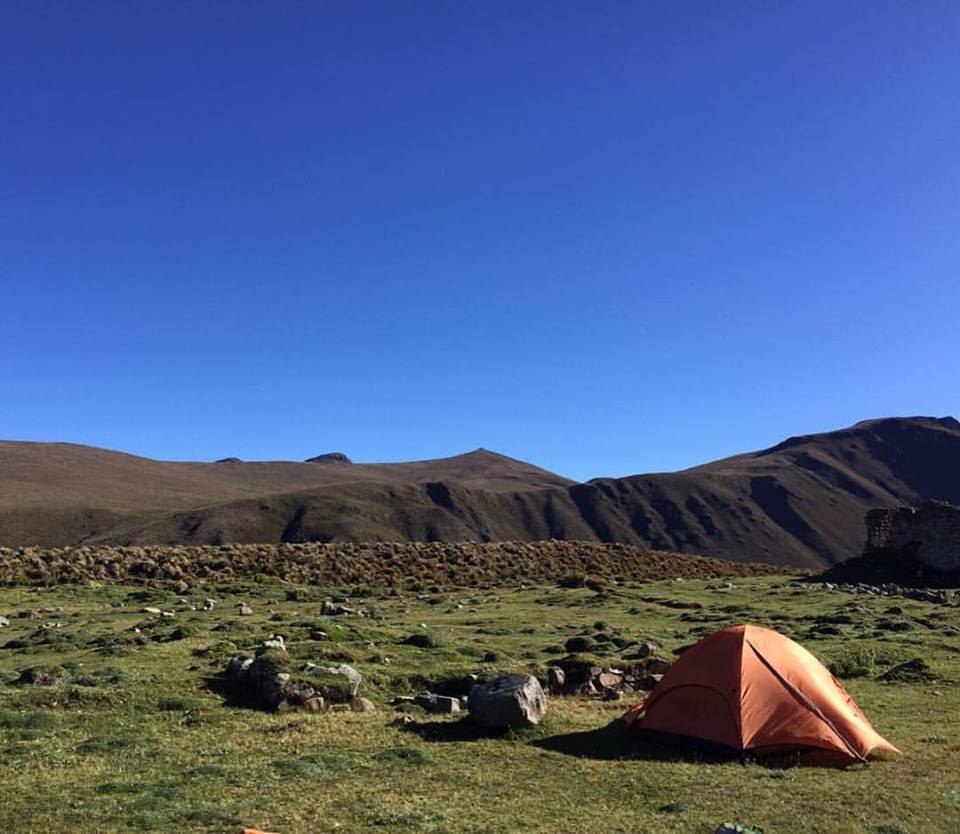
point(750, 688)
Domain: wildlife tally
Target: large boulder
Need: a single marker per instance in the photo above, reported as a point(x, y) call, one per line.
point(508, 702)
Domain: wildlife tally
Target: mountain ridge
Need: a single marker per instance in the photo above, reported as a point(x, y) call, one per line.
point(799, 502)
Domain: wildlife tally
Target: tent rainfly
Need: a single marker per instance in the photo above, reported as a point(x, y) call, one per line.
point(748, 688)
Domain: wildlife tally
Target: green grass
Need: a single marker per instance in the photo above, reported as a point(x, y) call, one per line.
point(137, 740)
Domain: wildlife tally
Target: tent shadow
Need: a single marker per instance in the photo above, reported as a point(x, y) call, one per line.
point(612, 743)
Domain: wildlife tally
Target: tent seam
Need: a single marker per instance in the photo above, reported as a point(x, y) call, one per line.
point(806, 702)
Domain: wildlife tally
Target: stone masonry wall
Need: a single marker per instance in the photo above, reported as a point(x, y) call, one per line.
point(928, 533)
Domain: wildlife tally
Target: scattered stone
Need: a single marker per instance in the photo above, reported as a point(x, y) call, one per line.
point(4, 622)
point(209, 604)
point(274, 642)
point(149, 609)
point(333, 608)
point(361, 704)
point(556, 680)
point(508, 702)
point(318, 635)
point(181, 586)
point(243, 609)
point(432, 702)
point(643, 650)
point(656, 666)
point(608, 680)
point(611, 694)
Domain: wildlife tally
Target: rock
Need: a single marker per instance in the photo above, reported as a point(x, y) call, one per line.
point(656, 666)
point(421, 641)
point(608, 680)
point(238, 666)
point(735, 828)
point(643, 650)
point(437, 703)
point(168, 615)
point(913, 671)
point(455, 686)
point(611, 694)
point(361, 704)
point(243, 609)
point(149, 609)
point(181, 586)
point(352, 677)
point(4, 622)
point(209, 604)
point(402, 721)
point(577, 670)
point(556, 680)
point(274, 642)
point(648, 682)
point(579, 644)
point(43, 676)
point(329, 457)
point(330, 608)
point(510, 701)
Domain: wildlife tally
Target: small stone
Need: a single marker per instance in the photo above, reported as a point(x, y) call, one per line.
point(149, 609)
point(318, 635)
point(209, 604)
point(4, 622)
point(181, 586)
point(656, 666)
point(243, 609)
point(437, 703)
point(609, 680)
point(361, 704)
point(556, 679)
point(274, 642)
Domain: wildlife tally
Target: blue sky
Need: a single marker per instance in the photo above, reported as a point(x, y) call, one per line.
point(604, 237)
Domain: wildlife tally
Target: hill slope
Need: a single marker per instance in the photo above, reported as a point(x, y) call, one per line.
point(798, 503)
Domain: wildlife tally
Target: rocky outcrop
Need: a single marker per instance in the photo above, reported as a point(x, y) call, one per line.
point(329, 457)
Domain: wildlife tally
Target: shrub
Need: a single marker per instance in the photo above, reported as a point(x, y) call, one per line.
point(579, 644)
point(422, 641)
point(853, 662)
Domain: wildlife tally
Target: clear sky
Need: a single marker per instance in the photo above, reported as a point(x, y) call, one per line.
point(604, 237)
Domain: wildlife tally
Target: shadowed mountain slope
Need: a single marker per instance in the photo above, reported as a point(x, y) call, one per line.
point(798, 503)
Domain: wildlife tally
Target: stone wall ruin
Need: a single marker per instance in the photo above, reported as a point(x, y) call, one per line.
point(928, 533)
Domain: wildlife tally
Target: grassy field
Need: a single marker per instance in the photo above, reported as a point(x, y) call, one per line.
point(136, 739)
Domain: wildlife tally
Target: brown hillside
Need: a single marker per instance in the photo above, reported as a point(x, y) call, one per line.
point(798, 503)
